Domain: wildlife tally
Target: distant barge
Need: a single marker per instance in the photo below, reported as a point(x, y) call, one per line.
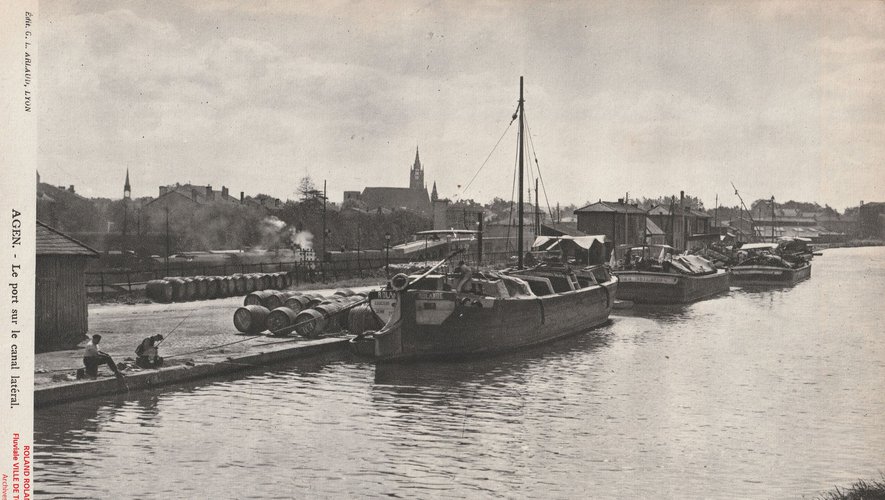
point(770, 265)
point(659, 277)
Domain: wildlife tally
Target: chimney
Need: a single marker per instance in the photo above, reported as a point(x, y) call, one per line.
point(164, 190)
point(193, 194)
point(209, 194)
point(224, 192)
point(242, 197)
point(71, 188)
point(620, 201)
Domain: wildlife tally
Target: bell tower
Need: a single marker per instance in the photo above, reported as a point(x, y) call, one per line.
point(416, 177)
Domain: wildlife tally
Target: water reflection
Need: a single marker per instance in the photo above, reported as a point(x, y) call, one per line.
point(485, 370)
point(774, 393)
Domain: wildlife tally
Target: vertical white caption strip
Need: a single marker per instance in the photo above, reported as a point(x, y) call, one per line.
point(19, 104)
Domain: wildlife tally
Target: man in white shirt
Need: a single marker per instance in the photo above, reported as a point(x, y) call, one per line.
point(93, 358)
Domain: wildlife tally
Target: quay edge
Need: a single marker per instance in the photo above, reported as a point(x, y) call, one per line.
point(150, 379)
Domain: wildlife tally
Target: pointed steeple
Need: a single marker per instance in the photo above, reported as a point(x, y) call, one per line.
point(433, 194)
point(416, 175)
point(127, 189)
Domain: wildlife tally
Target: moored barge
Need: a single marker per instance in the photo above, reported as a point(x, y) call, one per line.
point(659, 277)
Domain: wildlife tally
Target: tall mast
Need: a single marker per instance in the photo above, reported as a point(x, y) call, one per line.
point(521, 210)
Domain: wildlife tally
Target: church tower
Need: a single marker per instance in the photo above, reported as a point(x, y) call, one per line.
point(127, 189)
point(434, 195)
point(416, 177)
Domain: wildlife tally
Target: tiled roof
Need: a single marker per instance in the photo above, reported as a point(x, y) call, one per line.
point(610, 207)
point(52, 242)
point(565, 228)
point(664, 210)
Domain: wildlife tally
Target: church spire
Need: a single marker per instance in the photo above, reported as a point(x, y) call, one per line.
point(127, 189)
point(416, 176)
point(433, 194)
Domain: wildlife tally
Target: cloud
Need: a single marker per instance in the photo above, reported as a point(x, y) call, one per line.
point(642, 96)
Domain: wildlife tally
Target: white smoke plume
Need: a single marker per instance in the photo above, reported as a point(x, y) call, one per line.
point(303, 240)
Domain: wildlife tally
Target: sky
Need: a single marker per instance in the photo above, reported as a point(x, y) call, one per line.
point(784, 99)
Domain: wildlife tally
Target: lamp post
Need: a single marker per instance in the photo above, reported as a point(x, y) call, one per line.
point(387, 254)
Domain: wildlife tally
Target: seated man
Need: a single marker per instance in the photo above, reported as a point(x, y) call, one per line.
point(93, 358)
point(463, 274)
point(147, 352)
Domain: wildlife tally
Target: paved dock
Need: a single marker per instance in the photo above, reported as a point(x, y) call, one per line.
point(200, 341)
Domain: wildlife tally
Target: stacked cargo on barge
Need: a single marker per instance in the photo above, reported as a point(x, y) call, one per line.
point(655, 274)
point(771, 264)
point(481, 312)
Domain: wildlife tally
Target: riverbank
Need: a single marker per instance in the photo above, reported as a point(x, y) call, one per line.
point(199, 341)
point(861, 490)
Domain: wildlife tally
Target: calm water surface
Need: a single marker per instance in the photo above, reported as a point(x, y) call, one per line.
point(753, 394)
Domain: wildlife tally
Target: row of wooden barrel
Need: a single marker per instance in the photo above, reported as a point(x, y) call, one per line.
point(211, 287)
point(308, 315)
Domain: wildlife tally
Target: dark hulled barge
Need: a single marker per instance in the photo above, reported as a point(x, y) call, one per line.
point(654, 275)
point(476, 313)
point(770, 264)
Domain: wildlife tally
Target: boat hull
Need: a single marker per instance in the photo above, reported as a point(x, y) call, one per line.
point(646, 287)
point(769, 275)
point(486, 326)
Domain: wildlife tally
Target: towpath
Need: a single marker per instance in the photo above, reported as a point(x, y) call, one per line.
point(196, 333)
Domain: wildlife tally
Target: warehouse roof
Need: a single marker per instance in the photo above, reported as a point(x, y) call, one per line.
point(52, 242)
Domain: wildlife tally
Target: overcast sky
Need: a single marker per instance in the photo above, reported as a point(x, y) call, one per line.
point(783, 99)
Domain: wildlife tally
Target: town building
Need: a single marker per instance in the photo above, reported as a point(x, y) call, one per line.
point(621, 222)
point(414, 197)
point(60, 306)
point(871, 220)
point(696, 231)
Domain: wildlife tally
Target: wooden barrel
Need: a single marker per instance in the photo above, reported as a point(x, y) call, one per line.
point(264, 281)
point(315, 301)
point(239, 285)
point(159, 290)
point(274, 299)
point(344, 292)
point(332, 312)
point(252, 283)
point(361, 319)
point(226, 285)
point(212, 287)
point(251, 319)
point(309, 323)
point(281, 321)
point(190, 289)
point(177, 289)
point(297, 303)
point(255, 298)
point(201, 286)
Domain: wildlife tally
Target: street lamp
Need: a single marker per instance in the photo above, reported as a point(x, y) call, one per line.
point(387, 254)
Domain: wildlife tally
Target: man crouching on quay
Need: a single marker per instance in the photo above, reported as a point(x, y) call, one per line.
point(93, 358)
point(148, 354)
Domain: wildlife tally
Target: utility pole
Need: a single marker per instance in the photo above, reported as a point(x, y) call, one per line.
point(772, 218)
point(626, 218)
point(324, 219)
point(682, 224)
point(716, 213)
point(167, 237)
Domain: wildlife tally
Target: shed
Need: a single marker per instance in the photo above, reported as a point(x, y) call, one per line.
point(60, 307)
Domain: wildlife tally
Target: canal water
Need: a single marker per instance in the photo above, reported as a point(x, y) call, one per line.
point(752, 394)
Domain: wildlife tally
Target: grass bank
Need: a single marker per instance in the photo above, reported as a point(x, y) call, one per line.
point(861, 490)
